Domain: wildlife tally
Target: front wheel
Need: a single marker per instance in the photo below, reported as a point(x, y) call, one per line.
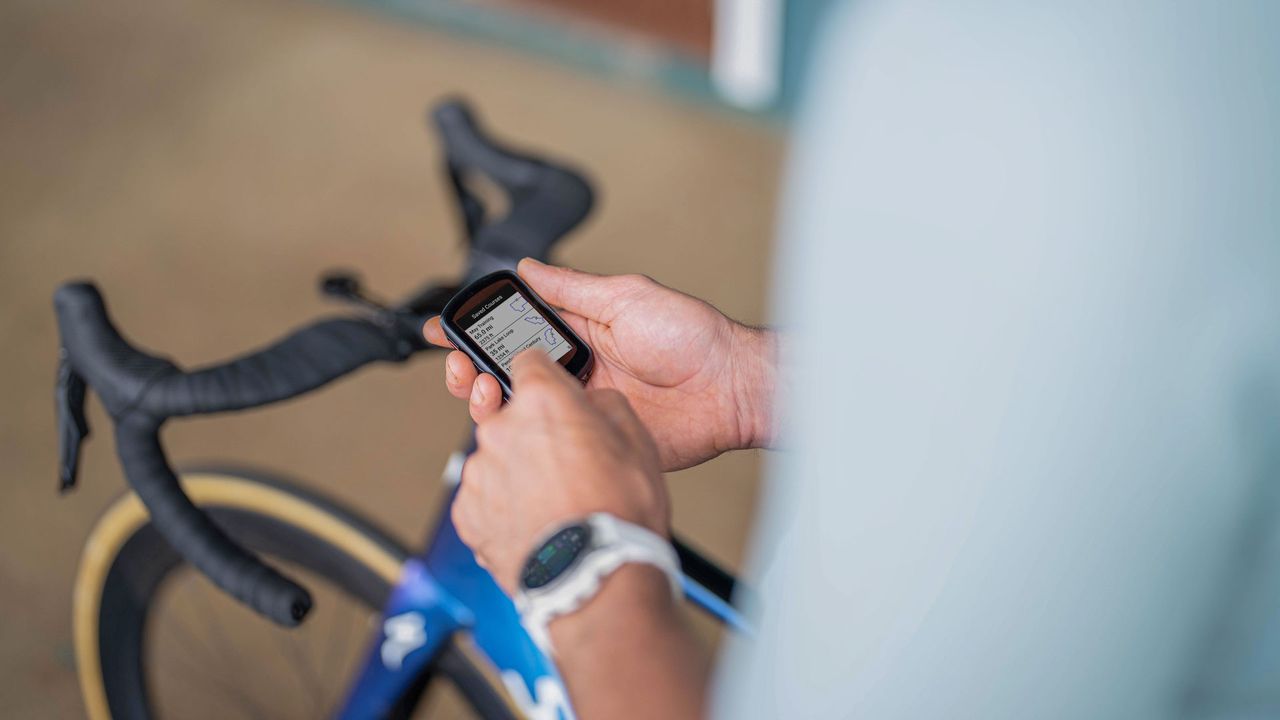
point(155, 639)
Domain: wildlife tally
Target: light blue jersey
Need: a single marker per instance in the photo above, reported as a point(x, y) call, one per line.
point(1030, 284)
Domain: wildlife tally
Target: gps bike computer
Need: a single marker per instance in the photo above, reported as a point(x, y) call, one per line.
point(498, 316)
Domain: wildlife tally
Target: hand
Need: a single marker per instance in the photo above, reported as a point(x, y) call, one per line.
point(701, 383)
point(556, 453)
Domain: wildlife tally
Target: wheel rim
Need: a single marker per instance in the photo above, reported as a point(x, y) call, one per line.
point(114, 613)
point(124, 521)
point(207, 656)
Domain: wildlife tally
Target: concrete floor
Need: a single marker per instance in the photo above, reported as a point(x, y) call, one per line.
point(204, 160)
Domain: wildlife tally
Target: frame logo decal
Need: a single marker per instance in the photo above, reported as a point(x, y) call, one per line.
point(550, 701)
point(405, 633)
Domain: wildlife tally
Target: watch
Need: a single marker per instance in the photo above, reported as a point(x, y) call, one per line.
point(566, 568)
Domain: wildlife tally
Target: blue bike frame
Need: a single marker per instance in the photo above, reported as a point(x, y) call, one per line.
point(444, 591)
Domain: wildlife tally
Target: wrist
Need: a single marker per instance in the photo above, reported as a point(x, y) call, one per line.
point(755, 358)
point(629, 652)
point(633, 597)
point(573, 565)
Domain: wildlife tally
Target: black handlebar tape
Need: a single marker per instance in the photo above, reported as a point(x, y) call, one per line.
point(547, 200)
point(130, 380)
point(190, 531)
point(140, 391)
point(117, 371)
point(305, 360)
point(470, 147)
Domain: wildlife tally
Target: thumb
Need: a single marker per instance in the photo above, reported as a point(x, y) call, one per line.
point(581, 293)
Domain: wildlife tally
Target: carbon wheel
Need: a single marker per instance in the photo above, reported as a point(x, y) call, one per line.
point(155, 639)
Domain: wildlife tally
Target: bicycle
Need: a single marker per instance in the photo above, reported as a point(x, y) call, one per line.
point(436, 613)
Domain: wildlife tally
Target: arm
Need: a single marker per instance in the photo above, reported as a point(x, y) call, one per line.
point(629, 648)
point(555, 454)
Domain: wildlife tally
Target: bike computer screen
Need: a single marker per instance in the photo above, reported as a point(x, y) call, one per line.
point(498, 316)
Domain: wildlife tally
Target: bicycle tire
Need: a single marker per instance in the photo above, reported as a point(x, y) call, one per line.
point(126, 562)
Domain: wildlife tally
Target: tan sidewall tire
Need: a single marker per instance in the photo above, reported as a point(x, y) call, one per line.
point(127, 515)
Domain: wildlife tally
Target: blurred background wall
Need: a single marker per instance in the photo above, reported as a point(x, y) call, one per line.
point(204, 160)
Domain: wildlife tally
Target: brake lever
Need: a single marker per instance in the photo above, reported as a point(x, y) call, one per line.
point(469, 206)
point(73, 427)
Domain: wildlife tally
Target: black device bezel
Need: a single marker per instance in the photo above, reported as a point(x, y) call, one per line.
point(580, 362)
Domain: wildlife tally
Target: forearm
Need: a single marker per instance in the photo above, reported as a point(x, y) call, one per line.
point(628, 652)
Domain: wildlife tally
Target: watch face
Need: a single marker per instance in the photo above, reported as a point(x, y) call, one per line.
point(555, 556)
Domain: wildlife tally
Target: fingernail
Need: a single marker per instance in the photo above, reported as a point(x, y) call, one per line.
point(449, 376)
point(532, 261)
point(477, 395)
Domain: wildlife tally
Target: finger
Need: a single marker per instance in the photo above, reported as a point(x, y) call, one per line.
point(463, 513)
point(614, 405)
point(486, 397)
point(434, 333)
point(459, 374)
point(467, 509)
point(495, 432)
point(588, 295)
point(469, 468)
point(532, 371)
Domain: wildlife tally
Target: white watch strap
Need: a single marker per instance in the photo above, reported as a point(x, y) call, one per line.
point(614, 543)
